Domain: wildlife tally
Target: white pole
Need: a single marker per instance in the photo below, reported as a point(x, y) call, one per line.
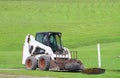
point(99, 57)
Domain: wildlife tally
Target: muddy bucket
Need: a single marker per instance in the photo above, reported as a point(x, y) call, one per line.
point(93, 71)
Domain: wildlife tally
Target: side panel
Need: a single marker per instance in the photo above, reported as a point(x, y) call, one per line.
point(25, 50)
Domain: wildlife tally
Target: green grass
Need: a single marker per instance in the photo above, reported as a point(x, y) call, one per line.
point(108, 74)
point(87, 54)
point(11, 59)
point(83, 23)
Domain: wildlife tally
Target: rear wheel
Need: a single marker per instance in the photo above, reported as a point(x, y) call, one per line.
point(44, 62)
point(31, 63)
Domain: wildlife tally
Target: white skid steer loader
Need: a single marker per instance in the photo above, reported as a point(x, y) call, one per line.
point(46, 52)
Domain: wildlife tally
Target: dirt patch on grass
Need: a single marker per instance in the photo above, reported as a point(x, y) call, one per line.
point(18, 76)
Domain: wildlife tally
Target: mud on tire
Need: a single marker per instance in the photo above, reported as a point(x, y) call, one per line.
point(44, 62)
point(31, 63)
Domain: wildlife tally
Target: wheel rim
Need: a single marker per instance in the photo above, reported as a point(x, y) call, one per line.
point(42, 63)
point(29, 63)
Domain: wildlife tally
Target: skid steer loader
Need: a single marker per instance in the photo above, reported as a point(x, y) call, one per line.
point(46, 52)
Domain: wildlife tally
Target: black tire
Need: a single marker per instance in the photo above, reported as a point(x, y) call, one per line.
point(31, 63)
point(72, 66)
point(44, 62)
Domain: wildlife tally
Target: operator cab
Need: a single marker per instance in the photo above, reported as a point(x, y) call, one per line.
point(51, 39)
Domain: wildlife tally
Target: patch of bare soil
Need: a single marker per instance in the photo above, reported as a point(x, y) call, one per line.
point(18, 76)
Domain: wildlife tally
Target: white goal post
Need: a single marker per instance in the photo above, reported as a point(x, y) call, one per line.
point(99, 55)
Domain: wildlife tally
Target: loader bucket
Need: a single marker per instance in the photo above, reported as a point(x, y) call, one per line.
point(93, 71)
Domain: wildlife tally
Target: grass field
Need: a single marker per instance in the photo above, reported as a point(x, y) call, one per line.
point(92, 21)
point(83, 23)
point(88, 55)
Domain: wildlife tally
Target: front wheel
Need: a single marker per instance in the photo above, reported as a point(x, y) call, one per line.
point(44, 62)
